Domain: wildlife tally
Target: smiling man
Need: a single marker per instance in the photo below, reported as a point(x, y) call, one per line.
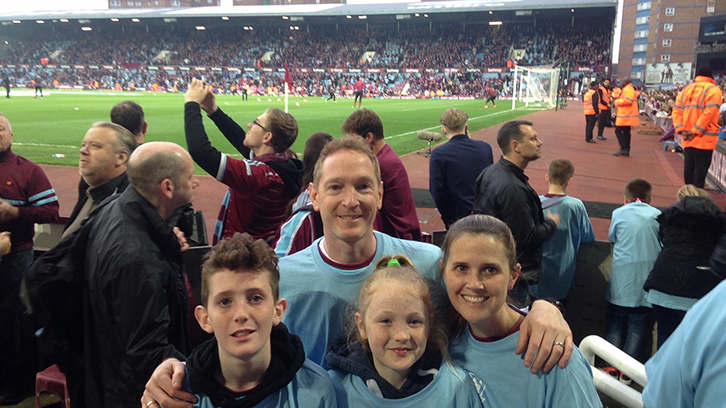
point(503, 191)
point(260, 186)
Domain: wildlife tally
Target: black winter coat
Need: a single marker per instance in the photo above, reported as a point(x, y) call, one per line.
point(136, 312)
point(689, 232)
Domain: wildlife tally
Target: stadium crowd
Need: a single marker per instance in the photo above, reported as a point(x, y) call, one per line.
point(122, 62)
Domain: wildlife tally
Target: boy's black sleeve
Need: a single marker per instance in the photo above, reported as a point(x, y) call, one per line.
point(231, 130)
point(201, 150)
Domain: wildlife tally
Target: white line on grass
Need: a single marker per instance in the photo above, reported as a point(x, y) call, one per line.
point(439, 127)
point(47, 145)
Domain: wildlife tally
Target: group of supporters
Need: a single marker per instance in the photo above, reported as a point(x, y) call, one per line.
point(345, 286)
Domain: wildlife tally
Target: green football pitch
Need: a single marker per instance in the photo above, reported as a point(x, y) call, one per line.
point(56, 124)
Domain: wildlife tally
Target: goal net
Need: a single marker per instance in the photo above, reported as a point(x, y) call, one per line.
point(534, 87)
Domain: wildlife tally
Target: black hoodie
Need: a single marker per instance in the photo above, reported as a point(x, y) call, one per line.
point(203, 365)
point(351, 358)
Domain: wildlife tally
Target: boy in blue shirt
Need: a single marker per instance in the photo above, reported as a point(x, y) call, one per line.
point(634, 234)
point(252, 361)
point(559, 252)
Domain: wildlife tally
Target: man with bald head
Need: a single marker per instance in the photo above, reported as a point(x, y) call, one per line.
point(136, 304)
point(105, 151)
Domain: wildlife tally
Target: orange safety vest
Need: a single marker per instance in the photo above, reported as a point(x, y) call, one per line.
point(697, 110)
point(589, 109)
point(627, 106)
point(604, 102)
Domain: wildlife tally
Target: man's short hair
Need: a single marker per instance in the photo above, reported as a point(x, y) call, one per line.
point(705, 71)
point(560, 171)
point(638, 189)
point(454, 119)
point(362, 122)
point(283, 127)
point(355, 144)
point(593, 85)
point(145, 174)
point(10, 126)
point(241, 253)
point(125, 141)
point(511, 131)
point(626, 81)
point(128, 114)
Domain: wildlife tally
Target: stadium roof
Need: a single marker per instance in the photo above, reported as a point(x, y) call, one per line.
point(433, 7)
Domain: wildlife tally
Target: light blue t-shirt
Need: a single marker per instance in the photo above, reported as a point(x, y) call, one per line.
point(559, 252)
point(320, 296)
point(452, 387)
point(311, 387)
point(508, 383)
point(689, 370)
point(670, 301)
point(634, 234)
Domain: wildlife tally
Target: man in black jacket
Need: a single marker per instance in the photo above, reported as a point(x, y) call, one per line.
point(105, 151)
point(503, 191)
point(136, 306)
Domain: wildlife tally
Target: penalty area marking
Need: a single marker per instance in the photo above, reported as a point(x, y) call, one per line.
point(47, 145)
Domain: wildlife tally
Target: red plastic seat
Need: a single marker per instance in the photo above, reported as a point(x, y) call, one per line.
point(52, 380)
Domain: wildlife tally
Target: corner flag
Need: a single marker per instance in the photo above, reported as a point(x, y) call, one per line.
point(288, 77)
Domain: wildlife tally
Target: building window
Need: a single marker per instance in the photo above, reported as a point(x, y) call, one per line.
point(636, 75)
point(641, 34)
point(667, 42)
point(670, 11)
point(115, 3)
point(130, 3)
point(644, 6)
point(638, 61)
point(175, 3)
point(665, 58)
point(668, 27)
point(642, 20)
point(138, 4)
point(640, 48)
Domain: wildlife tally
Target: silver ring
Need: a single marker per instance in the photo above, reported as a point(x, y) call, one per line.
point(557, 343)
point(148, 404)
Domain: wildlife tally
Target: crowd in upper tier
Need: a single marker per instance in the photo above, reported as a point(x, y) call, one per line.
point(442, 46)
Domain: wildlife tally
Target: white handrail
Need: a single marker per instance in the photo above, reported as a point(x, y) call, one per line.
point(596, 345)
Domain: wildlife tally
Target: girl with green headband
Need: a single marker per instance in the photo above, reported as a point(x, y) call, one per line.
point(396, 355)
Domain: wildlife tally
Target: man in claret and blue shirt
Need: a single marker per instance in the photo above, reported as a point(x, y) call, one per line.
point(26, 199)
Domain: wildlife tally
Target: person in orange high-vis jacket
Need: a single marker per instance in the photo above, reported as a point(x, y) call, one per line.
point(627, 116)
point(695, 117)
point(591, 111)
point(604, 117)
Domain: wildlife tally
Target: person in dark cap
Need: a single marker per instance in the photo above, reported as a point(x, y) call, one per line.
point(695, 117)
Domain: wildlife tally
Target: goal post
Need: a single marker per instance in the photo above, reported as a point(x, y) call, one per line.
point(536, 86)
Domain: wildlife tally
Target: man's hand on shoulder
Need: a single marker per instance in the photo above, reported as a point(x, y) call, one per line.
point(545, 333)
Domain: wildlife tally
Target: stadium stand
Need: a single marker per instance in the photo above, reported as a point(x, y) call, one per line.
point(441, 61)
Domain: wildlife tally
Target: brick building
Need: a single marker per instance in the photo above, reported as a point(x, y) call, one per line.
point(659, 37)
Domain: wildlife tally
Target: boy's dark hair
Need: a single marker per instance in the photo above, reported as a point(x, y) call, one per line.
point(362, 122)
point(593, 85)
point(313, 147)
point(283, 127)
point(511, 131)
point(638, 189)
point(128, 114)
point(560, 171)
point(241, 253)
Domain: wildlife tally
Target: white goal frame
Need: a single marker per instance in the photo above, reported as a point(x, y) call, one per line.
point(531, 86)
